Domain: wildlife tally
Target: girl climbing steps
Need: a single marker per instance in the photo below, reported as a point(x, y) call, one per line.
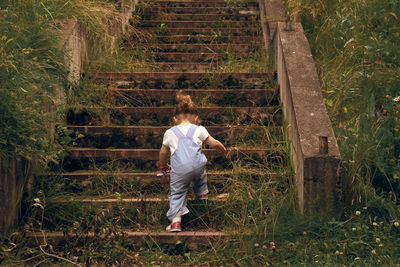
point(184, 142)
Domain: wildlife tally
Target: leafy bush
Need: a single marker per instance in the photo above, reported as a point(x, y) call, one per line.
point(355, 44)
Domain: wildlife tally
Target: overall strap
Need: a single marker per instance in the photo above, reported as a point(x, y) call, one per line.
point(191, 131)
point(177, 132)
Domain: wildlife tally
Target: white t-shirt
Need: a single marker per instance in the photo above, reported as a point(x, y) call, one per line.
point(171, 140)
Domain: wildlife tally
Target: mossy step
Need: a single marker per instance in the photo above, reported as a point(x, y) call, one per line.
point(201, 10)
point(127, 201)
point(200, 17)
point(132, 131)
point(202, 48)
point(153, 154)
point(134, 185)
point(156, 116)
point(204, 31)
point(203, 4)
point(220, 97)
point(204, 39)
point(151, 137)
point(184, 66)
point(273, 161)
point(147, 178)
point(131, 76)
point(194, 24)
point(136, 237)
point(194, 57)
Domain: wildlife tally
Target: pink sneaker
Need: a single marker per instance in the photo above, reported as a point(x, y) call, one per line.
point(162, 172)
point(174, 227)
point(202, 197)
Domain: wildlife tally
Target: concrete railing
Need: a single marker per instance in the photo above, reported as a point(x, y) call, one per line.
point(314, 148)
point(16, 173)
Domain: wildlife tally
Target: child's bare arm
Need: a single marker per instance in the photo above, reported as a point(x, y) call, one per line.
point(214, 143)
point(164, 151)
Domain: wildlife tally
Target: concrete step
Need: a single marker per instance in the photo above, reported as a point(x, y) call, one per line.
point(96, 213)
point(197, 24)
point(190, 57)
point(151, 137)
point(185, 66)
point(178, 75)
point(136, 237)
point(165, 16)
point(204, 31)
point(220, 97)
point(115, 201)
point(133, 131)
point(202, 48)
point(202, 10)
point(153, 154)
point(125, 160)
point(203, 4)
point(156, 116)
point(170, 80)
point(133, 184)
point(205, 39)
point(148, 178)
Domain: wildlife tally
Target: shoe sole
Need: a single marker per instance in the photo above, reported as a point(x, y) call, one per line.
point(174, 230)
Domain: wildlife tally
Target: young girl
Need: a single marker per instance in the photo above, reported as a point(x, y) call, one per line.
point(188, 163)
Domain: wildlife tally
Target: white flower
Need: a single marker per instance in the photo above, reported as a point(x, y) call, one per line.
point(373, 252)
point(380, 245)
point(377, 240)
point(337, 252)
point(353, 229)
point(374, 224)
point(358, 213)
point(357, 258)
point(396, 99)
point(396, 224)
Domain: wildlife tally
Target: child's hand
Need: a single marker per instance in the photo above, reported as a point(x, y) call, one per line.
point(222, 152)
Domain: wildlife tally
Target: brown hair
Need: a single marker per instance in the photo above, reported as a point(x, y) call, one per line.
point(185, 105)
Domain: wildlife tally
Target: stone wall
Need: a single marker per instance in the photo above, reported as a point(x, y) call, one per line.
point(314, 148)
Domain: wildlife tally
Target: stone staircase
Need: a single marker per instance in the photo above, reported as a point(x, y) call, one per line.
point(106, 184)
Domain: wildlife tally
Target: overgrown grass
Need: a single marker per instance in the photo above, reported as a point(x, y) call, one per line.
point(32, 72)
point(355, 44)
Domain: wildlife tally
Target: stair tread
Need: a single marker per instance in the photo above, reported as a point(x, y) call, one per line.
point(142, 233)
point(206, 236)
point(87, 172)
point(113, 199)
point(175, 75)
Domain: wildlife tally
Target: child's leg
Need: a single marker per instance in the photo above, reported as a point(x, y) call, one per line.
point(177, 198)
point(200, 182)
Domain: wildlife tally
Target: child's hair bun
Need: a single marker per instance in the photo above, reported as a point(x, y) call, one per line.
point(185, 104)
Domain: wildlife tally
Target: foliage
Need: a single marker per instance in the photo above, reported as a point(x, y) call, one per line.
point(32, 72)
point(355, 44)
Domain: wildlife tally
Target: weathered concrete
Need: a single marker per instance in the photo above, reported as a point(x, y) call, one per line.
point(74, 38)
point(314, 147)
point(73, 42)
point(272, 11)
point(13, 175)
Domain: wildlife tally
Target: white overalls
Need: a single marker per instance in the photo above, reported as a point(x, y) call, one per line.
point(188, 165)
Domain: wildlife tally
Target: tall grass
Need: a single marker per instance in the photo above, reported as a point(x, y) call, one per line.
point(355, 44)
point(32, 71)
